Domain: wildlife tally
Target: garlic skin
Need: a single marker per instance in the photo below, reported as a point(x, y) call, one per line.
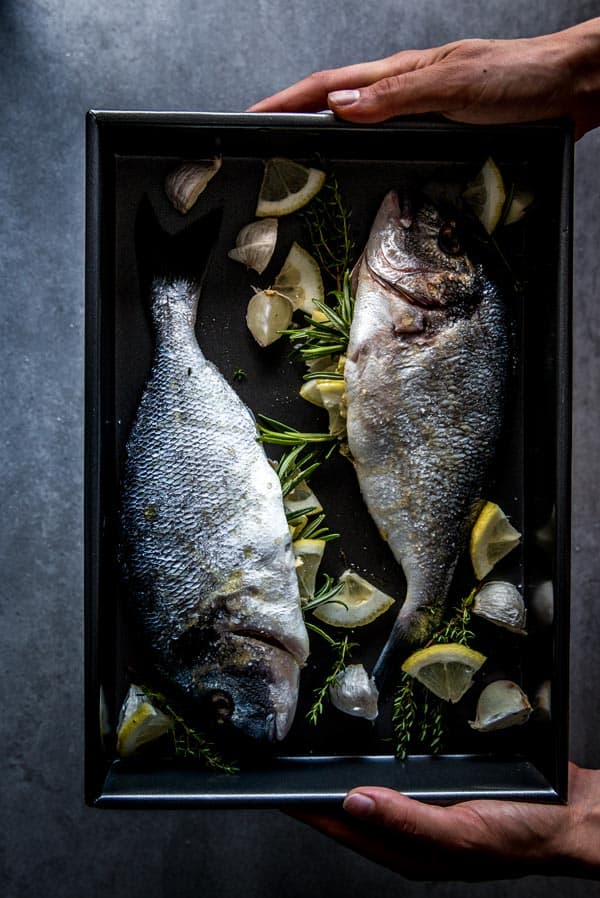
point(255, 244)
point(268, 313)
point(184, 185)
point(355, 693)
point(501, 603)
point(502, 704)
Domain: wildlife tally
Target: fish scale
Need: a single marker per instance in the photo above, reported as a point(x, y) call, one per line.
point(205, 545)
point(425, 376)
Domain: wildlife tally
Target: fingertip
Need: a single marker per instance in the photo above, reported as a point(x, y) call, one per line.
point(340, 99)
point(359, 804)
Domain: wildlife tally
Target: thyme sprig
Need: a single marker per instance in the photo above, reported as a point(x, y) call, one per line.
point(327, 221)
point(189, 742)
point(456, 629)
point(404, 712)
point(417, 713)
point(341, 652)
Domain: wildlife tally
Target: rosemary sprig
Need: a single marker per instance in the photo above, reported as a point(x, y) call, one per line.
point(295, 466)
point(327, 220)
point(188, 742)
point(341, 651)
point(329, 337)
point(327, 593)
point(272, 431)
point(313, 530)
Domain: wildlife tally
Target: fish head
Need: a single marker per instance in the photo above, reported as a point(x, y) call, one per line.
point(249, 688)
point(424, 254)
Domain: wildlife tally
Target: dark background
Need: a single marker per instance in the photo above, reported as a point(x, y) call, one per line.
point(56, 61)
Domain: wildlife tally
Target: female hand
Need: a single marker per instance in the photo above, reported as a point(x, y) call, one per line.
point(477, 81)
point(473, 840)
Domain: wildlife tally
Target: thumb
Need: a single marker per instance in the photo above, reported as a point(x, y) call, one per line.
point(449, 827)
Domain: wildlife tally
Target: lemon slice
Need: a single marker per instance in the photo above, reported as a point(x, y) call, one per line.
point(492, 537)
point(446, 670)
point(139, 722)
point(309, 553)
point(363, 601)
point(486, 195)
point(286, 187)
point(300, 280)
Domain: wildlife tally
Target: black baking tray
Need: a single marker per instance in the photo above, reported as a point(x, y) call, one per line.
point(128, 156)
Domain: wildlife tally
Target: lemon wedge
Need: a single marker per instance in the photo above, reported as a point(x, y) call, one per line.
point(139, 722)
point(333, 400)
point(302, 498)
point(363, 601)
point(486, 195)
point(492, 537)
point(446, 670)
point(309, 553)
point(520, 203)
point(286, 187)
point(300, 280)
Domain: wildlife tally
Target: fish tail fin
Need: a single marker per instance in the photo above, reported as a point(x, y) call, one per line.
point(412, 629)
point(183, 255)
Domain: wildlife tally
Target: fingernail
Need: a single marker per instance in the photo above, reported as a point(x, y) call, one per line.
point(343, 97)
point(358, 804)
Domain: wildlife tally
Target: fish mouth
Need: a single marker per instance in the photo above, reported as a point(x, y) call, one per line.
point(269, 639)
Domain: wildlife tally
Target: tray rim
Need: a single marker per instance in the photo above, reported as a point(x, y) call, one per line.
point(102, 126)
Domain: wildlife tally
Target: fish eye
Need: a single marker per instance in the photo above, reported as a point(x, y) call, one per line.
point(449, 238)
point(221, 706)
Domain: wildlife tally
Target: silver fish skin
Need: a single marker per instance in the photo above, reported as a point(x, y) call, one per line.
point(206, 546)
point(426, 379)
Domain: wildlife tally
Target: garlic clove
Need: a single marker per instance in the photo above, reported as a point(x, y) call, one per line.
point(184, 185)
point(542, 702)
point(501, 603)
point(255, 244)
point(501, 704)
point(355, 693)
point(268, 313)
point(542, 603)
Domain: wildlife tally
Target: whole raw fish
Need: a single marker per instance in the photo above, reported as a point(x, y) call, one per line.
point(426, 377)
point(206, 546)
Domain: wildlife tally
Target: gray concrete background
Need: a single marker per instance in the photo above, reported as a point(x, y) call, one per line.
point(56, 60)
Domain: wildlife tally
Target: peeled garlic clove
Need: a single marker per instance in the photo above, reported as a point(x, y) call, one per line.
point(501, 704)
point(501, 603)
point(268, 313)
point(355, 693)
point(542, 701)
point(255, 244)
point(184, 185)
